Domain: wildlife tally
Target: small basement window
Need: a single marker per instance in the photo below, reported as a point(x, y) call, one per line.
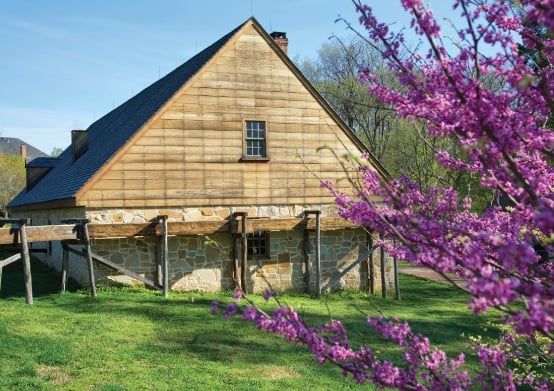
point(255, 140)
point(258, 245)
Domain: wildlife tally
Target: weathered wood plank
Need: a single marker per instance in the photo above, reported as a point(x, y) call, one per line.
point(102, 231)
point(6, 236)
point(99, 231)
point(50, 233)
point(39, 234)
point(327, 224)
point(198, 228)
point(115, 267)
point(7, 261)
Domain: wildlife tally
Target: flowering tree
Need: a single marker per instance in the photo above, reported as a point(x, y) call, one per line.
point(506, 142)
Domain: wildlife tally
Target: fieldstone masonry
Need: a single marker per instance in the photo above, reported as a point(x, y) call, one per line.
point(204, 263)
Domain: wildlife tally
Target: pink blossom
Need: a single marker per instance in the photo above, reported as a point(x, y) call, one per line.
point(502, 130)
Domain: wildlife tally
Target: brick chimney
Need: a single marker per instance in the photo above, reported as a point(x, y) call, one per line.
point(23, 151)
point(281, 40)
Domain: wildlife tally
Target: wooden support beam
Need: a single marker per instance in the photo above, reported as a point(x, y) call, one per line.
point(383, 272)
point(165, 257)
point(6, 262)
point(372, 277)
point(103, 231)
point(69, 231)
point(396, 282)
point(174, 228)
point(115, 267)
point(244, 251)
point(80, 228)
point(159, 262)
point(47, 233)
point(235, 254)
point(364, 256)
point(191, 228)
point(26, 263)
point(290, 224)
point(7, 236)
point(39, 233)
point(318, 276)
point(12, 259)
point(65, 265)
point(307, 260)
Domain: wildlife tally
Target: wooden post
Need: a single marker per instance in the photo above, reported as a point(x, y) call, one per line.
point(372, 267)
point(65, 264)
point(26, 262)
point(396, 283)
point(236, 268)
point(159, 255)
point(244, 257)
point(317, 249)
point(383, 272)
point(307, 259)
point(89, 259)
point(164, 251)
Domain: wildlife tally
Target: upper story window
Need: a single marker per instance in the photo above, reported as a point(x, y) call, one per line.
point(255, 140)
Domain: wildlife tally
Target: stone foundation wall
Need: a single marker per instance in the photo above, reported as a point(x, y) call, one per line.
point(142, 215)
point(53, 255)
point(204, 263)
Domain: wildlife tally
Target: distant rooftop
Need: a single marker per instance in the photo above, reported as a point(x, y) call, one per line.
point(13, 146)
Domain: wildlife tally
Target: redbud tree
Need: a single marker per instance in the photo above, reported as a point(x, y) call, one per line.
point(502, 129)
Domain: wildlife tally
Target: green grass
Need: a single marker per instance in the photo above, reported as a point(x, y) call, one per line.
point(134, 339)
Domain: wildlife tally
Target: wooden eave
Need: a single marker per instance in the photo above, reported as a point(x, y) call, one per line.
point(52, 204)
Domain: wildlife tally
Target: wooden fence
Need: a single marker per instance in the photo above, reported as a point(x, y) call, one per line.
point(80, 232)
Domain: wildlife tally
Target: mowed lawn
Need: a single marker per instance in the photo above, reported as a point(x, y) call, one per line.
point(134, 339)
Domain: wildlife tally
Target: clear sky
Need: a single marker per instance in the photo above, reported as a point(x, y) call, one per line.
point(66, 63)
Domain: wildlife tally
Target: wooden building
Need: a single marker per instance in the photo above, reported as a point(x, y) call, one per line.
point(235, 131)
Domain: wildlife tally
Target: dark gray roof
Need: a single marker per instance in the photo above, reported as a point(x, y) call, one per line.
point(107, 135)
point(43, 162)
point(12, 146)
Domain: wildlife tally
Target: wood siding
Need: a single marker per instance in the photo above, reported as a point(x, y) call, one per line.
point(190, 153)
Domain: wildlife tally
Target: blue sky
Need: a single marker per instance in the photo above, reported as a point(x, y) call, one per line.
point(66, 63)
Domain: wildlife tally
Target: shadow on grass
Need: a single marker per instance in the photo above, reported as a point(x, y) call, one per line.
point(45, 280)
point(185, 335)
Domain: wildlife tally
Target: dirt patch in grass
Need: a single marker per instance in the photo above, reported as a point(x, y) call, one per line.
point(53, 374)
point(268, 372)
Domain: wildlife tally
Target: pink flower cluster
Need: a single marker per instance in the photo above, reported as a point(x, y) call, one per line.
point(497, 104)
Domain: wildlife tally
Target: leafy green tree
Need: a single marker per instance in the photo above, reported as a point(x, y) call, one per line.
point(335, 74)
point(404, 148)
point(56, 151)
point(12, 179)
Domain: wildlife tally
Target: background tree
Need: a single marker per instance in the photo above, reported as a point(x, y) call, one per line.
point(56, 151)
point(12, 179)
point(335, 73)
point(403, 147)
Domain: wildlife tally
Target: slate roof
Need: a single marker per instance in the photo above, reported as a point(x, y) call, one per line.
point(12, 146)
point(46, 161)
point(108, 134)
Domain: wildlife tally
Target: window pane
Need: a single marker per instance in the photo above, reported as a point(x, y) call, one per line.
point(255, 138)
point(257, 245)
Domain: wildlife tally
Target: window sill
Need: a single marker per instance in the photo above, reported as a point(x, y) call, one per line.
point(254, 159)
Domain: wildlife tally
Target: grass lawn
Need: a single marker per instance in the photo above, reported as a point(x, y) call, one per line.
point(134, 339)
